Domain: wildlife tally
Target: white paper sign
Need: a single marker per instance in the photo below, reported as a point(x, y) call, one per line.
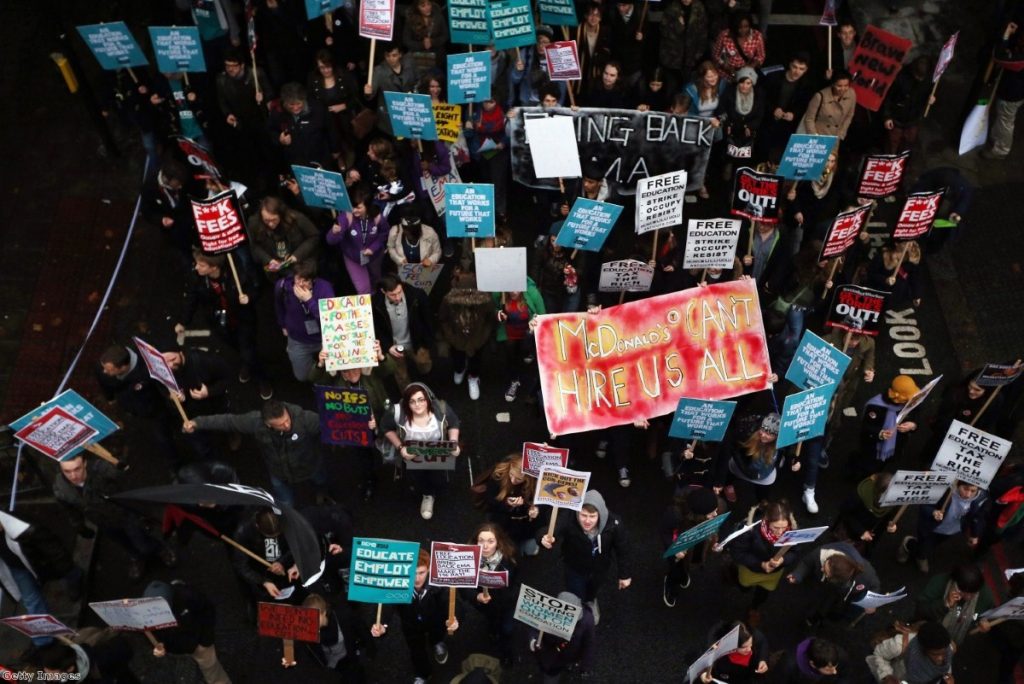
point(136, 614)
point(552, 141)
point(916, 400)
point(723, 647)
point(156, 365)
point(546, 613)
point(659, 201)
point(794, 537)
point(418, 275)
point(916, 488)
point(37, 625)
point(971, 454)
point(873, 600)
point(627, 275)
point(711, 243)
point(1011, 610)
point(500, 269)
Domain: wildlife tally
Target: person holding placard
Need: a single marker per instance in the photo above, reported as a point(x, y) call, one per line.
point(861, 350)
point(831, 109)
point(505, 492)
point(488, 143)
point(194, 634)
point(904, 106)
point(954, 600)
point(165, 204)
point(83, 488)
point(558, 273)
point(786, 96)
point(757, 560)
point(741, 110)
point(203, 378)
point(687, 511)
point(555, 656)
point(426, 29)
point(403, 324)
point(424, 622)
point(916, 654)
point(770, 259)
point(300, 130)
point(497, 605)
point(589, 539)
point(861, 518)
point(514, 336)
point(361, 237)
point(296, 298)
point(263, 534)
point(882, 441)
point(813, 202)
point(343, 638)
point(845, 576)
point(397, 74)
point(897, 268)
point(243, 93)
point(747, 664)
point(421, 416)
point(1007, 637)
point(749, 454)
point(962, 512)
point(1010, 93)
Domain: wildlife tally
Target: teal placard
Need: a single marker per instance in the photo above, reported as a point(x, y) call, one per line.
point(382, 570)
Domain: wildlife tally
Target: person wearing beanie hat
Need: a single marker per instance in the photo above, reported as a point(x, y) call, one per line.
point(750, 453)
point(741, 110)
point(689, 509)
point(883, 442)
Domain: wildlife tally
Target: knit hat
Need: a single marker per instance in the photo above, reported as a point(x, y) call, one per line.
point(902, 389)
point(701, 501)
point(771, 422)
point(746, 72)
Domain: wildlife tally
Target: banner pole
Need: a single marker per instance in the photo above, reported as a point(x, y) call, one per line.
point(654, 250)
point(234, 274)
point(903, 254)
point(704, 275)
point(830, 49)
point(780, 553)
point(929, 107)
point(899, 513)
point(831, 275)
point(750, 239)
point(255, 75)
point(97, 450)
point(131, 73)
point(369, 71)
point(225, 538)
point(945, 503)
point(181, 409)
point(380, 609)
point(152, 639)
point(857, 619)
point(991, 623)
point(551, 523)
point(643, 16)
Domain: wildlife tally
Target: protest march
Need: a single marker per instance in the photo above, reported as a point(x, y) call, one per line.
point(499, 341)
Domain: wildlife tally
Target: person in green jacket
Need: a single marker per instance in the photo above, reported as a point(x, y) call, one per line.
point(955, 600)
point(515, 311)
point(372, 381)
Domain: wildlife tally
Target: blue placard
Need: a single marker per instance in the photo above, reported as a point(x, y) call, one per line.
point(468, 23)
point(469, 77)
point(701, 419)
point(177, 48)
point(318, 8)
point(324, 189)
point(75, 404)
point(511, 24)
point(557, 12)
point(588, 224)
point(816, 363)
point(804, 415)
point(695, 535)
point(806, 155)
point(412, 115)
point(113, 45)
point(382, 570)
point(469, 209)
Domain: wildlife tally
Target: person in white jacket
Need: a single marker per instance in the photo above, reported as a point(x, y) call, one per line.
point(924, 656)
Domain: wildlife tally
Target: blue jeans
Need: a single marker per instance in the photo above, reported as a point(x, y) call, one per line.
point(31, 598)
point(811, 460)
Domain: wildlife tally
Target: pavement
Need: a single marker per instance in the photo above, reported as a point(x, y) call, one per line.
point(65, 214)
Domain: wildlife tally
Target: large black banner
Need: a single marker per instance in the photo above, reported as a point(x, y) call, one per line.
point(627, 144)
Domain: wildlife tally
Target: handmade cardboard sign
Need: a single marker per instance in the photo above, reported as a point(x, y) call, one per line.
point(536, 456)
point(552, 142)
point(283, 621)
point(546, 613)
point(500, 269)
point(431, 454)
point(382, 570)
point(448, 119)
point(454, 565)
point(418, 275)
point(875, 64)
point(701, 419)
point(344, 415)
point(916, 487)
point(972, 455)
point(136, 615)
point(346, 327)
point(561, 487)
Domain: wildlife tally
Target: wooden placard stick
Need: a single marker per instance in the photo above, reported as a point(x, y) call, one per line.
point(153, 640)
point(256, 76)
point(929, 106)
point(830, 48)
point(288, 657)
point(991, 624)
point(704, 275)
point(131, 72)
point(97, 450)
point(780, 553)
point(451, 609)
point(990, 399)
point(945, 502)
point(643, 17)
point(369, 70)
point(247, 552)
point(846, 340)
point(181, 409)
point(750, 238)
point(622, 297)
point(380, 609)
point(234, 274)
point(654, 249)
point(470, 104)
point(831, 275)
point(903, 254)
point(551, 523)
point(184, 75)
point(899, 513)
point(860, 617)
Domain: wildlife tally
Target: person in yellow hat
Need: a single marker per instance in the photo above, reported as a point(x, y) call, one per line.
point(883, 441)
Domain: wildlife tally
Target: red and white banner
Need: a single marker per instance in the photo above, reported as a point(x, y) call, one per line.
point(562, 61)
point(843, 232)
point(874, 65)
point(56, 433)
point(219, 222)
point(918, 213)
point(637, 360)
point(945, 57)
point(881, 175)
point(157, 365)
point(376, 19)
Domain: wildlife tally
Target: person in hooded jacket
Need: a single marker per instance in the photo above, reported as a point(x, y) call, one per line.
point(589, 539)
point(845, 575)
point(421, 416)
point(883, 442)
point(813, 661)
point(343, 639)
point(861, 517)
point(555, 655)
point(496, 603)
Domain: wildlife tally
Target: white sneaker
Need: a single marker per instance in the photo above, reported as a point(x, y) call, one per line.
point(474, 388)
point(427, 508)
point(512, 391)
point(624, 480)
point(812, 505)
point(419, 680)
point(459, 376)
point(596, 610)
point(602, 448)
point(850, 412)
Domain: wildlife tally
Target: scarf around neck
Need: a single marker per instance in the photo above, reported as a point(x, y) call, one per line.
point(767, 534)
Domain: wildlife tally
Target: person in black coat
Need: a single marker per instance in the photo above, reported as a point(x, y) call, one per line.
point(496, 604)
point(343, 639)
point(333, 524)
point(397, 306)
point(905, 104)
point(300, 130)
point(842, 575)
point(754, 553)
point(203, 378)
point(626, 41)
point(263, 534)
point(194, 633)
point(555, 655)
point(506, 493)
point(424, 620)
point(166, 205)
point(588, 541)
point(746, 664)
point(693, 506)
point(785, 94)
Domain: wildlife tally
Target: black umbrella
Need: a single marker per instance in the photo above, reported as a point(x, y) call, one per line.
point(302, 539)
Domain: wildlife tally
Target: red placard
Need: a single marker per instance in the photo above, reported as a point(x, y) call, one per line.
point(282, 621)
point(493, 579)
point(219, 222)
point(454, 565)
point(536, 456)
point(918, 213)
point(636, 360)
point(199, 158)
point(562, 60)
point(881, 175)
point(55, 433)
point(843, 232)
point(156, 364)
point(874, 65)
point(756, 195)
point(376, 19)
point(857, 309)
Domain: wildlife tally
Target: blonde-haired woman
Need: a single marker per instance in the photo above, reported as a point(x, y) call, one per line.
point(506, 493)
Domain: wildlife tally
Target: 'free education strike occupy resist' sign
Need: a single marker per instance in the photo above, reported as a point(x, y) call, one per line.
point(344, 415)
point(701, 419)
point(382, 570)
point(638, 359)
point(346, 325)
point(915, 488)
point(972, 455)
point(711, 243)
point(659, 201)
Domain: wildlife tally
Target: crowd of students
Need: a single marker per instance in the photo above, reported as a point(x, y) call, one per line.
point(302, 97)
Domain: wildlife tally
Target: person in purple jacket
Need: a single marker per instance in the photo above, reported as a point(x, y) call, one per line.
point(361, 236)
point(296, 300)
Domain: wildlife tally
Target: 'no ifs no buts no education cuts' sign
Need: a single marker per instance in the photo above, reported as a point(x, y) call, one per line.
point(344, 415)
point(972, 455)
point(382, 570)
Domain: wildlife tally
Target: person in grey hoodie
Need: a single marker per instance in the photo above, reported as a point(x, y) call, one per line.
point(588, 542)
point(288, 438)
